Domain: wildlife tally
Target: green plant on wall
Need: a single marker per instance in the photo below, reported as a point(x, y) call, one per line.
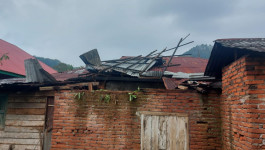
point(132, 96)
point(79, 96)
point(107, 98)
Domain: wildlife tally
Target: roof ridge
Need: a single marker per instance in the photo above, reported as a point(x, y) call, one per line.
point(230, 39)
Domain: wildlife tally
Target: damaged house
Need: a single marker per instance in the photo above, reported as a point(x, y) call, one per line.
point(21, 116)
point(143, 102)
point(13, 67)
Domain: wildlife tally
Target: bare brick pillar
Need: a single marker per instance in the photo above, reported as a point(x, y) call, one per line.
point(243, 104)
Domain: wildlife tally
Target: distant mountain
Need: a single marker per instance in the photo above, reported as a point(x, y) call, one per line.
point(202, 51)
point(48, 61)
point(56, 64)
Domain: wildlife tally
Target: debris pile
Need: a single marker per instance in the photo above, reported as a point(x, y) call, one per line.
point(153, 65)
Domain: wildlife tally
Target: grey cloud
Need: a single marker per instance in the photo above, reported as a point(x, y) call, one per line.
point(64, 29)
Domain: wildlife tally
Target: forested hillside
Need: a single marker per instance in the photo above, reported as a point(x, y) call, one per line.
point(55, 64)
point(202, 51)
point(48, 61)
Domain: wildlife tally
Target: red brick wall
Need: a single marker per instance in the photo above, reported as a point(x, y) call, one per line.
point(94, 124)
point(243, 104)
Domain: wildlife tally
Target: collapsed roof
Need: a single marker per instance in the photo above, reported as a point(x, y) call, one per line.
point(153, 65)
point(152, 68)
point(142, 67)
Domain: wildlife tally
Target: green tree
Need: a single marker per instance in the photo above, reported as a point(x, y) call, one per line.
point(62, 67)
point(48, 61)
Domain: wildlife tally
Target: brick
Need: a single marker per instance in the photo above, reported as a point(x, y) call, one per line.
point(261, 96)
point(238, 114)
point(255, 82)
point(256, 91)
point(243, 116)
point(110, 126)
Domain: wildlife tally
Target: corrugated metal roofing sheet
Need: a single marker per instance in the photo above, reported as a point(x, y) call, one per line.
point(183, 75)
point(12, 80)
point(155, 69)
point(69, 74)
point(15, 63)
point(131, 67)
point(171, 83)
point(152, 74)
point(254, 44)
point(184, 64)
point(225, 51)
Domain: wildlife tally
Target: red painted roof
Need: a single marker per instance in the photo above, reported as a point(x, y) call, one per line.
point(15, 63)
point(171, 83)
point(62, 76)
point(187, 64)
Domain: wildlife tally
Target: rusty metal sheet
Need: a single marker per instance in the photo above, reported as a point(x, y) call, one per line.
point(69, 74)
point(171, 83)
point(184, 64)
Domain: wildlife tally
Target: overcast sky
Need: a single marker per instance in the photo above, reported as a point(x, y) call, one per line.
point(64, 29)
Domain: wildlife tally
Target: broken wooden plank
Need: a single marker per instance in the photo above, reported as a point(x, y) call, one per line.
point(90, 87)
point(162, 114)
point(27, 147)
point(14, 135)
point(172, 130)
point(182, 134)
point(152, 60)
point(142, 129)
point(24, 123)
point(201, 90)
point(25, 99)
point(47, 88)
point(183, 87)
point(142, 58)
point(21, 141)
point(155, 131)
point(25, 117)
point(26, 111)
point(26, 105)
point(5, 146)
point(23, 129)
point(147, 132)
point(162, 133)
